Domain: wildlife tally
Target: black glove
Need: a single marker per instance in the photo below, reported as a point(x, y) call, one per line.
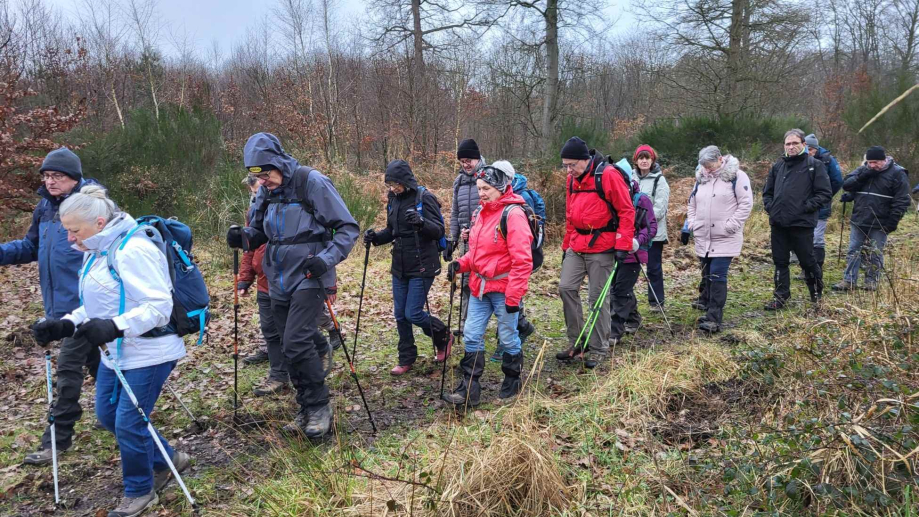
point(848, 197)
point(369, 236)
point(889, 226)
point(452, 269)
point(98, 331)
point(684, 238)
point(621, 255)
point(242, 286)
point(448, 253)
point(314, 267)
point(511, 308)
point(52, 330)
point(235, 237)
point(564, 254)
point(414, 218)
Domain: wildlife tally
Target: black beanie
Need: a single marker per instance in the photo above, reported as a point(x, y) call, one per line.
point(876, 153)
point(468, 149)
point(576, 149)
point(63, 160)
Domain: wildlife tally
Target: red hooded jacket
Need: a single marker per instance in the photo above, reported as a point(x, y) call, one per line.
point(251, 266)
point(499, 264)
point(586, 211)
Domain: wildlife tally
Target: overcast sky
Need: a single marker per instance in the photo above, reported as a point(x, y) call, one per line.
point(226, 21)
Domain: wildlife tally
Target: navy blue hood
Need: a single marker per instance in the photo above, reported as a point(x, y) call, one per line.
point(265, 149)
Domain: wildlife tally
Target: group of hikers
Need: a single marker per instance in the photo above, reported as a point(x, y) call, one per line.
point(298, 229)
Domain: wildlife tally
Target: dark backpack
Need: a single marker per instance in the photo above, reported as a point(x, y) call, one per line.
point(190, 299)
point(536, 228)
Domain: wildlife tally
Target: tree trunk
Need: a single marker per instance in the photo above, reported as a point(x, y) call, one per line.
point(735, 55)
point(550, 94)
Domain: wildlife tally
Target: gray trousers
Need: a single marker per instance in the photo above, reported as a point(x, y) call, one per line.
point(597, 267)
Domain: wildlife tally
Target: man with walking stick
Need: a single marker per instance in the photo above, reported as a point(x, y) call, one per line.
point(308, 229)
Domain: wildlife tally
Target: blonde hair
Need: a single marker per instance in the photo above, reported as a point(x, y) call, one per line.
point(89, 204)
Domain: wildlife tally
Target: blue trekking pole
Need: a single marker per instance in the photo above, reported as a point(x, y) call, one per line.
point(153, 433)
point(57, 498)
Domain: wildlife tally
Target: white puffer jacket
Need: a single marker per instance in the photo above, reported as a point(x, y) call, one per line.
point(148, 295)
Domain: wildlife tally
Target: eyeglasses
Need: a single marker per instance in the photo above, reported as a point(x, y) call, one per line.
point(569, 166)
point(261, 176)
point(53, 176)
point(260, 172)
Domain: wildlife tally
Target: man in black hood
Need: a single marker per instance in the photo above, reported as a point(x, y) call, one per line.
point(797, 187)
point(415, 261)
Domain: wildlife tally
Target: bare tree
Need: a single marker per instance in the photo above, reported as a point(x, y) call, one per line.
point(146, 26)
point(105, 32)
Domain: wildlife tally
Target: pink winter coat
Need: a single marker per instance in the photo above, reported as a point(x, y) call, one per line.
point(716, 214)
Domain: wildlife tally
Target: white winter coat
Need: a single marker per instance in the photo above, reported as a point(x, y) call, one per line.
point(148, 295)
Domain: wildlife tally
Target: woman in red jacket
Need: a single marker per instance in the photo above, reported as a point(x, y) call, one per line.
point(499, 267)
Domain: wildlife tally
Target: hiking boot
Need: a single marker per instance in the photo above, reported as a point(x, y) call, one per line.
point(327, 361)
point(593, 360)
point(469, 391)
point(631, 327)
point(180, 461)
point(709, 326)
point(775, 305)
point(497, 356)
point(401, 369)
point(335, 340)
point(569, 354)
point(257, 358)
point(844, 286)
point(870, 286)
point(270, 388)
point(40, 457)
point(699, 304)
point(511, 365)
point(295, 428)
point(319, 423)
point(526, 332)
point(131, 506)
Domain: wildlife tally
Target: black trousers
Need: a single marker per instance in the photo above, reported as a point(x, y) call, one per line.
point(800, 240)
point(297, 320)
point(74, 355)
point(623, 304)
point(656, 273)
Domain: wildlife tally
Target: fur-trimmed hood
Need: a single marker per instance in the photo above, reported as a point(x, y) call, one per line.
point(727, 172)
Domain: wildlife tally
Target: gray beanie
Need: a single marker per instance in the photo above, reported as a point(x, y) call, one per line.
point(811, 141)
point(63, 160)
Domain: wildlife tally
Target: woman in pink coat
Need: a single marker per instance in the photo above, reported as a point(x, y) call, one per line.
point(719, 206)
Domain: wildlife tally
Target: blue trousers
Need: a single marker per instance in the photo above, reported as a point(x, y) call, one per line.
point(480, 311)
point(139, 454)
point(408, 296)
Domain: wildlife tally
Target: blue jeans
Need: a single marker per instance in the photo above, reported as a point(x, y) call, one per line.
point(480, 310)
point(139, 454)
point(865, 245)
point(408, 297)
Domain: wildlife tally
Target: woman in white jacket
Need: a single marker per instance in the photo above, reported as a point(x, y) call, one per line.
point(105, 318)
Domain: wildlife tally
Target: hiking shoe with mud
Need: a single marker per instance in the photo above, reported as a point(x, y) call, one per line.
point(775, 305)
point(295, 428)
point(319, 423)
point(870, 286)
point(843, 286)
point(180, 460)
point(270, 388)
point(258, 357)
point(40, 457)
point(709, 326)
point(569, 354)
point(133, 506)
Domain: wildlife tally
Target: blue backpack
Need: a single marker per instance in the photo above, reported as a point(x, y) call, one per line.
point(442, 242)
point(190, 299)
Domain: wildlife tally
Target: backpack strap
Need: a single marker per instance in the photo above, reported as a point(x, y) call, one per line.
point(419, 201)
point(654, 188)
point(695, 188)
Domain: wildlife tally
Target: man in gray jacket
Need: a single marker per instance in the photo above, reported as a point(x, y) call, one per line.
point(309, 230)
point(465, 201)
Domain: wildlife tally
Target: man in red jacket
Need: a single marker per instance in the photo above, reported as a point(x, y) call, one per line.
point(599, 227)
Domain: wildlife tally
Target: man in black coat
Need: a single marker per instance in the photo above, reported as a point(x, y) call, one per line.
point(880, 189)
point(797, 187)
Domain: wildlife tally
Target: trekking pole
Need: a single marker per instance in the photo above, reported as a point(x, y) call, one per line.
point(335, 324)
point(462, 283)
point(177, 397)
point(443, 372)
point(842, 224)
point(360, 302)
point(57, 497)
point(236, 332)
point(656, 299)
point(153, 433)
